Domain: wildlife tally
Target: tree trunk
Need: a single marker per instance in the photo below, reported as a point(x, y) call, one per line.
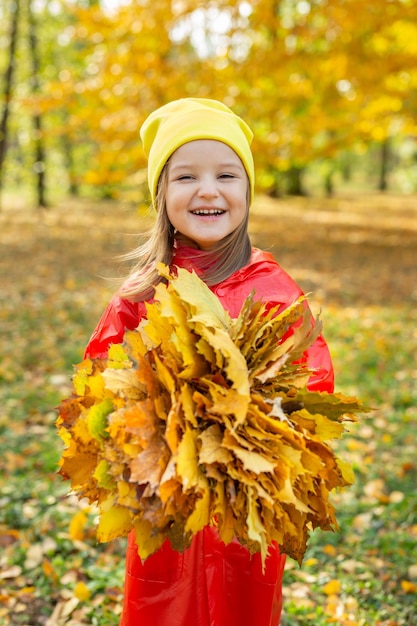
point(383, 173)
point(39, 165)
point(328, 183)
point(8, 85)
point(294, 182)
point(70, 165)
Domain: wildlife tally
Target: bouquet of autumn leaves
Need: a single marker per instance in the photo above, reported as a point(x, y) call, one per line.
point(198, 419)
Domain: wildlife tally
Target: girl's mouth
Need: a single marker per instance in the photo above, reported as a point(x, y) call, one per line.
point(209, 212)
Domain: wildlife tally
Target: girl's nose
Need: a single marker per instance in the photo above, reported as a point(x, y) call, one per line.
point(208, 188)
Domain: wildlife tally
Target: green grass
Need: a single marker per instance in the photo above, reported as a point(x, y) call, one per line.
point(51, 301)
point(374, 353)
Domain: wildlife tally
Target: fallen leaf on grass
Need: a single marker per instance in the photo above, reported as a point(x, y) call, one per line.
point(342, 611)
point(8, 537)
point(82, 592)
point(332, 588)
point(62, 610)
point(408, 587)
point(12, 572)
point(77, 525)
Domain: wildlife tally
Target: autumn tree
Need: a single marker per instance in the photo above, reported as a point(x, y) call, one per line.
point(129, 64)
point(320, 79)
point(40, 156)
point(315, 80)
point(8, 82)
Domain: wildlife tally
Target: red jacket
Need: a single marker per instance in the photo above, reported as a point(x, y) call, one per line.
point(210, 584)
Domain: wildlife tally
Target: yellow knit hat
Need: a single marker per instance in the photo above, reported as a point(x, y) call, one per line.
point(189, 119)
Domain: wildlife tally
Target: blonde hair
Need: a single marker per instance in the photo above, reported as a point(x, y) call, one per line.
point(216, 264)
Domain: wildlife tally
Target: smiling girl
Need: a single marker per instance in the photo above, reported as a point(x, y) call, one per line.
point(201, 179)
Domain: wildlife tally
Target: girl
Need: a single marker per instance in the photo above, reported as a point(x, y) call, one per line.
point(201, 179)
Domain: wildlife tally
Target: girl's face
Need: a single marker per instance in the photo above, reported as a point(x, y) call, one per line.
point(207, 191)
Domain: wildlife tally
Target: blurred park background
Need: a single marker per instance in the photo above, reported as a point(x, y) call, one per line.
point(328, 86)
point(330, 90)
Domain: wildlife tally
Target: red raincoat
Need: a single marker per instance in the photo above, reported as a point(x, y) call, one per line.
point(210, 584)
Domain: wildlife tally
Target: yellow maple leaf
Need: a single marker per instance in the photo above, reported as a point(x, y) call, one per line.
point(165, 376)
point(234, 364)
point(187, 463)
point(187, 404)
point(117, 357)
point(114, 521)
point(124, 383)
point(200, 516)
point(171, 308)
point(77, 525)
point(80, 378)
point(332, 588)
point(204, 305)
point(149, 465)
point(251, 459)
point(212, 450)
point(79, 469)
point(97, 419)
point(408, 586)
point(346, 470)
point(102, 475)
point(148, 538)
point(256, 529)
point(288, 496)
point(228, 401)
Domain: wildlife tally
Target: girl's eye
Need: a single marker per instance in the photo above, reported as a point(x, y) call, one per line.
point(185, 177)
point(226, 175)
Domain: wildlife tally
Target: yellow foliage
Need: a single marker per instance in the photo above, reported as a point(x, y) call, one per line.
point(332, 588)
point(82, 592)
point(408, 587)
point(207, 422)
point(77, 525)
point(114, 522)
